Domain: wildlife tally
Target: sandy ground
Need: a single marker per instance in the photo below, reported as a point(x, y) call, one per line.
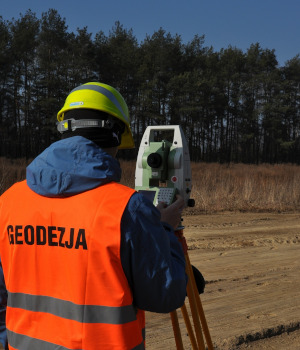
point(251, 265)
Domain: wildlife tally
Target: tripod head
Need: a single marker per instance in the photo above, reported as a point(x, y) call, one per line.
point(163, 165)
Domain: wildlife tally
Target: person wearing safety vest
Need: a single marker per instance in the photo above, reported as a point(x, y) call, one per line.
point(82, 256)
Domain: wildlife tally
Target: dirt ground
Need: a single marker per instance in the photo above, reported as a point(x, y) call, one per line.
point(251, 265)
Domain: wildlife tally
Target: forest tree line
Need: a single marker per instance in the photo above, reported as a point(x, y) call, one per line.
point(233, 106)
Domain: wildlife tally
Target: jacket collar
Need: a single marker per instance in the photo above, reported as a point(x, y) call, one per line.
point(71, 166)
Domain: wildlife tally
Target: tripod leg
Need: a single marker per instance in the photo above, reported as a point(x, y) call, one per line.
point(176, 329)
point(193, 306)
point(200, 308)
point(194, 299)
point(189, 327)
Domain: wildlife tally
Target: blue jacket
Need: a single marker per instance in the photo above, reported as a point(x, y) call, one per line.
point(152, 257)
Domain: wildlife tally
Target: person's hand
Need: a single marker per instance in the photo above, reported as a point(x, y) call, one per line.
point(172, 214)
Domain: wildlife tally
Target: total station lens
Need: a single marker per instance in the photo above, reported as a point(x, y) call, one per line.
point(154, 160)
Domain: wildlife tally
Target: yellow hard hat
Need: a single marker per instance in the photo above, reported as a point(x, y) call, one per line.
point(101, 97)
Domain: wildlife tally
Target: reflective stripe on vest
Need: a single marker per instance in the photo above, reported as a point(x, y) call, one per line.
point(62, 268)
point(20, 341)
point(71, 311)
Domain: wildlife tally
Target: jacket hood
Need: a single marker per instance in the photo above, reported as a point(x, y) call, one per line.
point(71, 166)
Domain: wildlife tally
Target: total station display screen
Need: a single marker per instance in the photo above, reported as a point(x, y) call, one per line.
point(148, 194)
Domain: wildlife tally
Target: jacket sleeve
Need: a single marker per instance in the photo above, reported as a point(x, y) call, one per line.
point(152, 258)
point(3, 301)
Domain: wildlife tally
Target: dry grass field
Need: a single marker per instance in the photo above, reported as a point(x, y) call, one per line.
point(238, 187)
point(216, 187)
point(243, 235)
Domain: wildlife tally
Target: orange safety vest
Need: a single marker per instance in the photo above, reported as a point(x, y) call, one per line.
point(63, 272)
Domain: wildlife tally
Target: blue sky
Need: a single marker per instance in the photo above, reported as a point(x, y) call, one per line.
point(274, 24)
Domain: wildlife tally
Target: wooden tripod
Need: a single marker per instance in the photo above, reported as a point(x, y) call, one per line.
point(198, 317)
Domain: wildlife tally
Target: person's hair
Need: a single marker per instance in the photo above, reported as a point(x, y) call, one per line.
point(106, 137)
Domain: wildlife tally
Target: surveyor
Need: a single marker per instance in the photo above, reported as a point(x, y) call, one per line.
point(82, 255)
